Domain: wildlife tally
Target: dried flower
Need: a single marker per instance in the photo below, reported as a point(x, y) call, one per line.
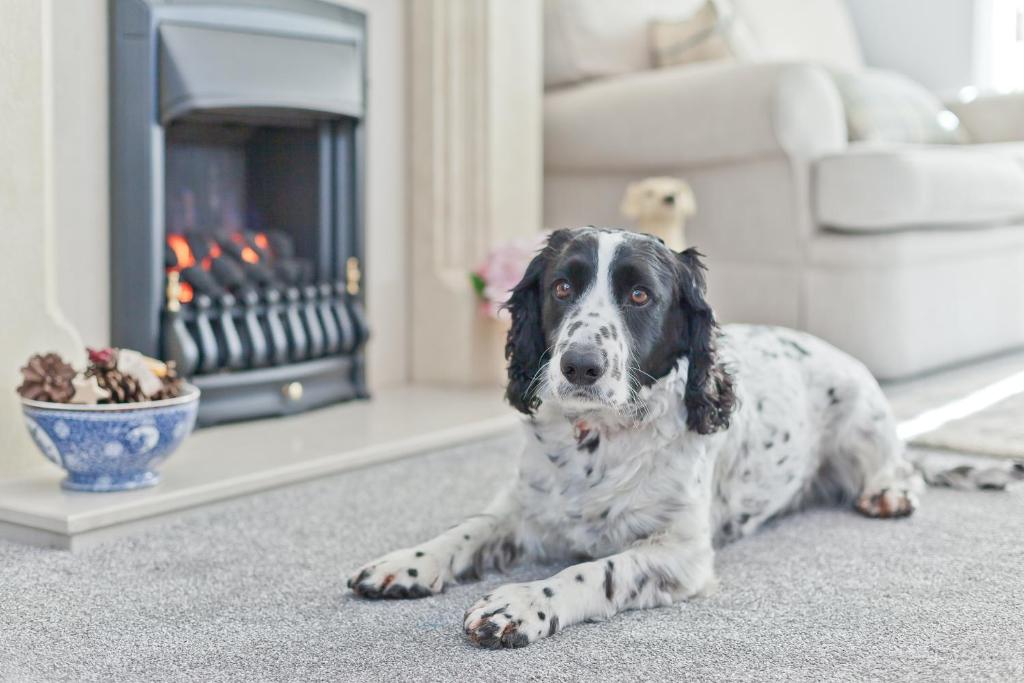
point(101, 356)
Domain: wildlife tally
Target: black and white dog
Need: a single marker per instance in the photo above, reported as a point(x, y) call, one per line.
point(653, 436)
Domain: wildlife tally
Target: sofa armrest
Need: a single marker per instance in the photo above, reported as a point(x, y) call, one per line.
point(693, 116)
point(992, 118)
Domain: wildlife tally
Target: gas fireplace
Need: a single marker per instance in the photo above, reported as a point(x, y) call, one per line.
point(236, 176)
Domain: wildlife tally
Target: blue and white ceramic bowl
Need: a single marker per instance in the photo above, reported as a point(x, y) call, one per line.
point(114, 447)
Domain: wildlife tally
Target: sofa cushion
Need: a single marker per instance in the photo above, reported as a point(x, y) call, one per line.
point(586, 39)
point(884, 106)
point(713, 33)
point(818, 31)
point(876, 188)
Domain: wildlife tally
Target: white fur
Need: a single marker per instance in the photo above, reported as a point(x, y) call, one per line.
point(596, 312)
point(648, 499)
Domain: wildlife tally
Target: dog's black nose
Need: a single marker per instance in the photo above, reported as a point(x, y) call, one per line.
point(582, 367)
point(669, 199)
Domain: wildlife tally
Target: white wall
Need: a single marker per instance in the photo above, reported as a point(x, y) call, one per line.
point(931, 41)
point(81, 187)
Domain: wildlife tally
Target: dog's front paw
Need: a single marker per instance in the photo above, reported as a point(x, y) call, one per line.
point(515, 615)
point(401, 574)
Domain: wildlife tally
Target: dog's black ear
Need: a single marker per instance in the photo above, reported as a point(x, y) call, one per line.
point(709, 395)
point(526, 347)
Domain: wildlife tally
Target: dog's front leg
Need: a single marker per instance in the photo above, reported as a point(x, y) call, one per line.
point(464, 551)
point(654, 572)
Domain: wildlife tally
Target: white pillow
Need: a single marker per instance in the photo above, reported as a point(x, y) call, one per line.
point(712, 33)
point(884, 106)
point(586, 39)
point(818, 31)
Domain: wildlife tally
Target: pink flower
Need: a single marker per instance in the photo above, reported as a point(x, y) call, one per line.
point(502, 270)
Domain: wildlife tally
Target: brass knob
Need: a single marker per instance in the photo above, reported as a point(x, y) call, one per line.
point(173, 291)
point(352, 275)
point(292, 391)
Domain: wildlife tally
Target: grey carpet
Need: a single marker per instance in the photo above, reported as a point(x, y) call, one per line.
point(254, 589)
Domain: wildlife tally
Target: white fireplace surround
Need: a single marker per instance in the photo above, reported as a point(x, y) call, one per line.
point(453, 166)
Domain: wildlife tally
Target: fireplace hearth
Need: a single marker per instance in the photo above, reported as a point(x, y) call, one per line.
point(236, 176)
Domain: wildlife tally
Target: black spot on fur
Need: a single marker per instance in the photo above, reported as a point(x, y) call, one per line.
point(419, 553)
point(615, 332)
point(609, 580)
point(579, 578)
point(488, 615)
point(832, 398)
point(604, 332)
point(743, 518)
point(548, 592)
point(572, 328)
point(785, 437)
point(414, 573)
point(593, 314)
point(590, 445)
point(768, 444)
point(553, 627)
point(589, 470)
point(801, 351)
point(541, 616)
point(604, 515)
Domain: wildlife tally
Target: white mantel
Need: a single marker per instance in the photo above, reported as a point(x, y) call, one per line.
point(28, 261)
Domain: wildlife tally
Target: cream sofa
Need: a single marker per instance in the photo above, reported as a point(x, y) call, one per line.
point(910, 257)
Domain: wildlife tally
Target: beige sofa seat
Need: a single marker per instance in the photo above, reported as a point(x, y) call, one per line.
point(872, 188)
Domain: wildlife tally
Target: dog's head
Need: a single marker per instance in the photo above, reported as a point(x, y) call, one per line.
point(658, 199)
point(600, 314)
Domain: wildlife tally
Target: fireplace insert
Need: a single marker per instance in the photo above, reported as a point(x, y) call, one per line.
point(236, 183)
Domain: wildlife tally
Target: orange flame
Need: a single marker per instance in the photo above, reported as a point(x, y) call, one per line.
point(185, 294)
point(249, 255)
point(261, 241)
point(215, 253)
point(182, 252)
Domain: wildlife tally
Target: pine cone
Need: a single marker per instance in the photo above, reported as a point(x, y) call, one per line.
point(172, 383)
point(47, 378)
point(123, 388)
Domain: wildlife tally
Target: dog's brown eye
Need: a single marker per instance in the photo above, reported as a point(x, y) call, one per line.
point(639, 296)
point(562, 289)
